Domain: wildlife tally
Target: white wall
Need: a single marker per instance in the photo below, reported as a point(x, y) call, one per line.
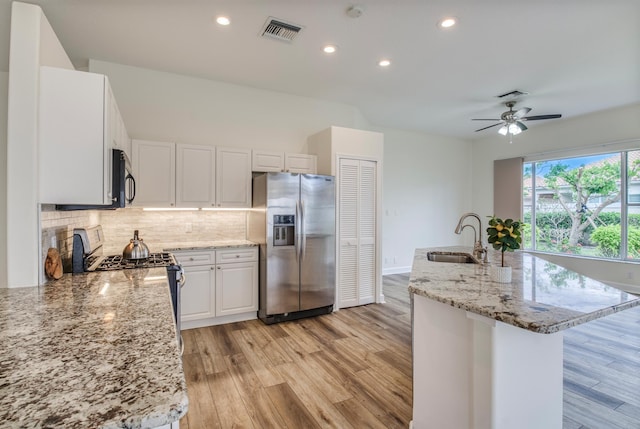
point(4, 83)
point(608, 126)
point(33, 43)
point(426, 189)
point(170, 107)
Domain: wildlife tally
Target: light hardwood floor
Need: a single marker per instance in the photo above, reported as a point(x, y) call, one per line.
point(352, 369)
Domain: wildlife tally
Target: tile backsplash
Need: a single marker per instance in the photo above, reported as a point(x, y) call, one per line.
point(159, 228)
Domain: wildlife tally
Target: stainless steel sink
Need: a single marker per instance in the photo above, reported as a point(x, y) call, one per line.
point(452, 257)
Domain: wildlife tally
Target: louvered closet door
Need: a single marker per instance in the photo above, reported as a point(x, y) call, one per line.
point(357, 232)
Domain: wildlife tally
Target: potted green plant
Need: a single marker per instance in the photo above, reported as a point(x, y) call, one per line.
point(506, 236)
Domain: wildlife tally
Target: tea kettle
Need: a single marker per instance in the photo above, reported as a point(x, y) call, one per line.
point(136, 249)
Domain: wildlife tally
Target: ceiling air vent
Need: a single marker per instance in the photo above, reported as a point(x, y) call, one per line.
point(512, 94)
point(280, 30)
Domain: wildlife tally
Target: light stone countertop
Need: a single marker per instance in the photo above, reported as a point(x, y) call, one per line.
point(94, 350)
point(205, 245)
point(542, 297)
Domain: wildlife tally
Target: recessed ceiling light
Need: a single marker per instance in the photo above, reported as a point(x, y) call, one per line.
point(384, 63)
point(447, 22)
point(330, 49)
point(223, 20)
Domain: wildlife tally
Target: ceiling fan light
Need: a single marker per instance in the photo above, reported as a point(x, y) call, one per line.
point(514, 129)
point(503, 130)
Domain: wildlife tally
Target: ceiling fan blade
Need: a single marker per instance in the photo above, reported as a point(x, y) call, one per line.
point(490, 126)
point(521, 112)
point(495, 119)
point(522, 126)
point(537, 118)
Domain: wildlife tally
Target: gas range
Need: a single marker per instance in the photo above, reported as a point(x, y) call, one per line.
point(117, 262)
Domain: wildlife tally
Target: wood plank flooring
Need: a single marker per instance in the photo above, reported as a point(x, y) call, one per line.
point(352, 369)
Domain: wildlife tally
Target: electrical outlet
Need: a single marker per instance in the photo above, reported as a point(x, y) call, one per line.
point(188, 227)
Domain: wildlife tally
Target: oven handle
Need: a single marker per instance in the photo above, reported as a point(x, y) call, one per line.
point(183, 278)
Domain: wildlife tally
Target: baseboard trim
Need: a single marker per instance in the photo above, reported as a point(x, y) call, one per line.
point(396, 270)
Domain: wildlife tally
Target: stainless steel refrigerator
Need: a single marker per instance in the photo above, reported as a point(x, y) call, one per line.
point(294, 221)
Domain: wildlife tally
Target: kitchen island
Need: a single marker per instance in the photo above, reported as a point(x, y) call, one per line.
point(91, 350)
point(489, 355)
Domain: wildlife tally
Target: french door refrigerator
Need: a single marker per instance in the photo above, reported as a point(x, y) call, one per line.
point(293, 220)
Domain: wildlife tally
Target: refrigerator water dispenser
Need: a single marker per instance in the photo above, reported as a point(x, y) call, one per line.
point(283, 230)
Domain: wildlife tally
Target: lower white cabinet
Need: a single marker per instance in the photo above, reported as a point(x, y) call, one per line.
point(221, 286)
point(235, 288)
point(198, 296)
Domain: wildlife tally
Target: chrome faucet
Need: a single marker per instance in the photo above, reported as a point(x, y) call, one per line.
point(478, 248)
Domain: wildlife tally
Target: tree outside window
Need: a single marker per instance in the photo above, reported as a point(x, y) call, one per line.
point(579, 204)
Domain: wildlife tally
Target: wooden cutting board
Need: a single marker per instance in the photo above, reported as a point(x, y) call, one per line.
point(53, 264)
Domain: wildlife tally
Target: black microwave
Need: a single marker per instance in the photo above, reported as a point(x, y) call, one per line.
point(123, 187)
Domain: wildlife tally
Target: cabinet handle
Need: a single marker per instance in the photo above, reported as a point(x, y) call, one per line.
point(219, 267)
point(191, 259)
point(211, 268)
point(171, 204)
point(237, 256)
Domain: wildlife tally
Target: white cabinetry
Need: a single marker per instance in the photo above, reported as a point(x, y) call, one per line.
point(267, 161)
point(170, 175)
point(221, 286)
point(154, 167)
point(195, 176)
point(119, 136)
point(300, 163)
point(236, 281)
point(198, 296)
point(77, 120)
point(233, 177)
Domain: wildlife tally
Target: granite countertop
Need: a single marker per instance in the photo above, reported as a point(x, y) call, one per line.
point(542, 297)
point(94, 350)
point(205, 245)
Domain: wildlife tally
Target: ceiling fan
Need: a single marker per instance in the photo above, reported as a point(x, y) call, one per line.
point(512, 121)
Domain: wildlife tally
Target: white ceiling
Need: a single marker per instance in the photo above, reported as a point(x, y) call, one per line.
point(572, 56)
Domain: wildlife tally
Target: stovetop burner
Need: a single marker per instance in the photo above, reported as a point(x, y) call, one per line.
point(117, 262)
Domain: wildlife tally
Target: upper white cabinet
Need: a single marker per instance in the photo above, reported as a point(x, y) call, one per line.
point(179, 175)
point(233, 177)
point(119, 136)
point(195, 176)
point(267, 161)
point(300, 163)
point(75, 137)
point(154, 167)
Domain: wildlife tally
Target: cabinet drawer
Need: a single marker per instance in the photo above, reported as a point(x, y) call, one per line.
point(189, 259)
point(237, 255)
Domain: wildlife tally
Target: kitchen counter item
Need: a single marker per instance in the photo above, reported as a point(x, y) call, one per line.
point(53, 264)
point(136, 249)
point(92, 350)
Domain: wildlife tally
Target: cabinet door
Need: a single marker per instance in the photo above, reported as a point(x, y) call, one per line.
point(265, 161)
point(357, 232)
point(233, 177)
point(154, 167)
point(195, 176)
point(236, 288)
point(74, 152)
point(300, 163)
point(198, 297)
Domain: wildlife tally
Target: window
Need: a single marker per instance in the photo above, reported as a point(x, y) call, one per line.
point(588, 205)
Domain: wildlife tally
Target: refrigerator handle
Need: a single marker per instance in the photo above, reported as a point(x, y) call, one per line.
point(303, 233)
point(297, 231)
